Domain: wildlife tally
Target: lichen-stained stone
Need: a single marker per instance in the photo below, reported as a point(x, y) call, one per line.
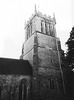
point(47, 71)
point(55, 57)
point(42, 50)
point(38, 23)
point(29, 56)
point(10, 88)
point(45, 90)
point(44, 57)
point(48, 58)
point(29, 44)
point(46, 41)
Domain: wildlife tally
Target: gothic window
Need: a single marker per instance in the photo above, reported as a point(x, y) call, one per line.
point(52, 85)
point(47, 27)
point(47, 30)
point(31, 28)
point(22, 90)
point(27, 32)
point(51, 29)
point(42, 26)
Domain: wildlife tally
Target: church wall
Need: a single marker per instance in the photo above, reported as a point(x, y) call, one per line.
point(29, 56)
point(47, 51)
point(29, 44)
point(10, 86)
point(50, 86)
point(46, 41)
point(42, 52)
point(38, 23)
point(30, 29)
point(47, 71)
point(48, 58)
point(44, 60)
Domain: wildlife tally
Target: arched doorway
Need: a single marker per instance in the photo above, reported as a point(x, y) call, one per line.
point(23, 90)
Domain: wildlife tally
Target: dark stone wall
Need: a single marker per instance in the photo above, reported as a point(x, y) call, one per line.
point(47, 87)
point(11, 87)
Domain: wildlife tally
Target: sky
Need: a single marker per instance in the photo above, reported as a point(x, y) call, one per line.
point(13, 14)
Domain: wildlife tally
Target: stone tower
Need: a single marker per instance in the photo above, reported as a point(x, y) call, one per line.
point(43, 52)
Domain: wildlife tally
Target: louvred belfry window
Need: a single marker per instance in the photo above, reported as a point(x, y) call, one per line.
point(47, 27)
point(43, 27)
point(29, 30)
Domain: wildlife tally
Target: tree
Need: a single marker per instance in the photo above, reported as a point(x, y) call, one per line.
point(70, 51)
point(69, 73)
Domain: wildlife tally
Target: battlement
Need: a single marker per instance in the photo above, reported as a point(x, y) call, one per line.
point(41, 23)
point(39, 14)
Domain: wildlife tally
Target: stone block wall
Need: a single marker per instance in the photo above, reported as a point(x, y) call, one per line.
point(11, 87)
point(41, 49)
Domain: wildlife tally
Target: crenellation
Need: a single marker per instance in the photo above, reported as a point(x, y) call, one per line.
point(30, 20)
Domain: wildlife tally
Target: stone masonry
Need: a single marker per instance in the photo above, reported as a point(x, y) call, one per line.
point(41, 49)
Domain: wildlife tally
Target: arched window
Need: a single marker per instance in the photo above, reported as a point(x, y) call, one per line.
point(23, 90)
point(42, 26)
point(29, 30)
point(47, 27)
point(52, 84)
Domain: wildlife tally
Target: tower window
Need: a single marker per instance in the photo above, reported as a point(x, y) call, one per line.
point(47, 28)
point(29, 30)
point(51, 30)
point(42, 26)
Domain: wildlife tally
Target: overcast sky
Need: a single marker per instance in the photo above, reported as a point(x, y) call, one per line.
point(13, 14)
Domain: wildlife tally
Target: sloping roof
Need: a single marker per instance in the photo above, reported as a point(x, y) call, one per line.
point(15, 66)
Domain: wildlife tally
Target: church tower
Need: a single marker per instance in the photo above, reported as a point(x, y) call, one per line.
point(43, 52)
